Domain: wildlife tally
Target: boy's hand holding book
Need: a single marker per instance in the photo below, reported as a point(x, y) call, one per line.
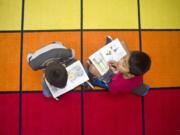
point(113, 65)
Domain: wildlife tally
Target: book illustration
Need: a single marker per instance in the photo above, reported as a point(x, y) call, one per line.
point(112, 51)
point(100, 61)
point(75, 73)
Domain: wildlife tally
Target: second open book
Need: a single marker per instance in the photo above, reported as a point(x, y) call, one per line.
point(112, 51)
point(76, 76)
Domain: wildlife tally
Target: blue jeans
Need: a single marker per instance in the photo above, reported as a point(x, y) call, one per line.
point(46, 92)
point(99, 83)
point(95, 81)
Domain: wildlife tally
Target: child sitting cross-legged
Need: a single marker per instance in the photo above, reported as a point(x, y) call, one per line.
point(52, 59)
point(126, 74)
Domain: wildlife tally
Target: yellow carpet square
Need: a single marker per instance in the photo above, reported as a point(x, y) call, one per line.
point(108, 14)
point(56, 14)
point(160, 14)
point(10, 18)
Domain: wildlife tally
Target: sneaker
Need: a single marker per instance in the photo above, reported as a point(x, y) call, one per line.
point(109, 39)
point(29, 57)
point(142, 90)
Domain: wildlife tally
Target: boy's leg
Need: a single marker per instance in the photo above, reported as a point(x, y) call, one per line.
point(95, 81)
point(46, 92)
point(99, 83)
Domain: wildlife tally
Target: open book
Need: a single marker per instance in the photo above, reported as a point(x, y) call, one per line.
point(76, 76)
point(112, 51)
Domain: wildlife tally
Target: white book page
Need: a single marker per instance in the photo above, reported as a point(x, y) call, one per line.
point(99, 62)
point(112, 51)
point(76, 76)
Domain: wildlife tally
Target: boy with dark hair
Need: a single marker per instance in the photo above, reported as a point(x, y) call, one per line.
point(52, 59)
point(135, 63)
point(126, 74)
point(139, 63)
point(56, 74)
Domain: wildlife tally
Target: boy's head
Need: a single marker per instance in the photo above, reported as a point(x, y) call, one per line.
point(139, 63)
point(136, 63)
point(56, 74)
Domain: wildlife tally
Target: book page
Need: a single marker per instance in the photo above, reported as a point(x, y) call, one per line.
point(112, 51)
point(76, 76)
point(99, 62)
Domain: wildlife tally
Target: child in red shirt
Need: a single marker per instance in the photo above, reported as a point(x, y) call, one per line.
point(127, 72)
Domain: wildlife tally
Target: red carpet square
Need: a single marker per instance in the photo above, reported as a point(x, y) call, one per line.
point(162, 112)
point(9, 114)
point(43, 116)
point(106, 114)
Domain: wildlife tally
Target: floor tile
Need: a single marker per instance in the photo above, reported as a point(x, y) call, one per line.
point(10, 15)
point(107, 114)
point(110, 14)
point(32, 80)
point(9, 61)
point(162, 112)
point(43, 116)
point(45, 14)
point(163, 48)
point(9, 114)
point(160, 14)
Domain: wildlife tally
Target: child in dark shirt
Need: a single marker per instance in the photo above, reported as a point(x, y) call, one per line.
point(51, 59)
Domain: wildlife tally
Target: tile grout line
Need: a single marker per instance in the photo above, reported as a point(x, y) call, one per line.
point(91, 30)
point(21, 61)
point(81, 46)
point(139, 25)
point(89, 90)
point(140, 48)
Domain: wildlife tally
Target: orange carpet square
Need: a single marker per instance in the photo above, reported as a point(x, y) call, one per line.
point(9, 61)
point(32, 80)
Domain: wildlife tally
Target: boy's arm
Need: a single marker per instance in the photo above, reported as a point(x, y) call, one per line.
point(48, 53)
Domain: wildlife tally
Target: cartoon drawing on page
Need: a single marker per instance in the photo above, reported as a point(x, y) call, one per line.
point(112, 51)
point(75, 73)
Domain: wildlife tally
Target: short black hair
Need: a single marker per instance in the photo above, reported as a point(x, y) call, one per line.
point(56, 74)
point(139, 63)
